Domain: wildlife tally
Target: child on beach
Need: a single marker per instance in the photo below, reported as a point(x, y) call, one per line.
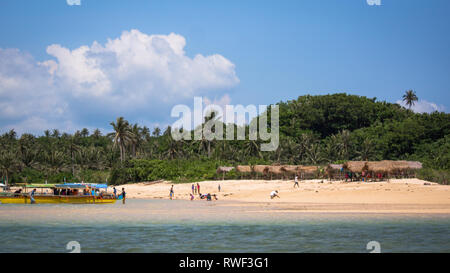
point(192, 197)
point(296, 181)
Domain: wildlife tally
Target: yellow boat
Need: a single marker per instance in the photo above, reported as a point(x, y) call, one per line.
point(68, 193)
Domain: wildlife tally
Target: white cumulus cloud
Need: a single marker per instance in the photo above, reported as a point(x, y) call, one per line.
point(423, 106)
point(136, 75)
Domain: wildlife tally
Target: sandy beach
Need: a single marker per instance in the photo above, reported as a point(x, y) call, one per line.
point(395, 196)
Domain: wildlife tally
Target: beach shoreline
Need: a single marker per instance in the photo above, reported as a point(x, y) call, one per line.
point(413, 196)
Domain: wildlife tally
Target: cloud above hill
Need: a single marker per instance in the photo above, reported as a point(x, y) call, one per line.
point(135, 75)
point(423, 106)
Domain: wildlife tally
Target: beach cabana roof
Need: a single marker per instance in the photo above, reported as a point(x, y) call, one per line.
point(261, 169)
point(308, 169)
point(400, 165)
point(224, 169)
point(383, 166)
point(38, 186)
point(335, 167)
point(243, 169)
point(290, 169)
point(355, 166)
point(275, 169)
point(414, 164)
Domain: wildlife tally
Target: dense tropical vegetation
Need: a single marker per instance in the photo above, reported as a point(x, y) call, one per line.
point(313, 130)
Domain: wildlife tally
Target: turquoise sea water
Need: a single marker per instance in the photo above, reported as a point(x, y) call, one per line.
point(184, 226)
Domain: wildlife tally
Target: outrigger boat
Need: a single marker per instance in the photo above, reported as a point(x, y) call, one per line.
point(69, 193)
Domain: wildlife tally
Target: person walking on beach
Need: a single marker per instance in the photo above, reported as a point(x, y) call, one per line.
point(32, 201)
point(171, 193)
point(123, 196)
point(296, 181)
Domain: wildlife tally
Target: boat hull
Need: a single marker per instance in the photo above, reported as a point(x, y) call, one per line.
point(56, 200)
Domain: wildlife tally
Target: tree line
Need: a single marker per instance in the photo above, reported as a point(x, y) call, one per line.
point(314, 130)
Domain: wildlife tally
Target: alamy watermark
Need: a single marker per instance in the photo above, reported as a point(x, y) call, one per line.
point(213, 128)
point(374, 2)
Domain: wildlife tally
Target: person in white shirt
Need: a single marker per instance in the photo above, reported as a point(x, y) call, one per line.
point(296, 181)
point(274, 194)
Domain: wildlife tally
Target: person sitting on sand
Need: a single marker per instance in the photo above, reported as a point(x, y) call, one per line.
point(17, 193)
point(274, 194)
point(192, 196)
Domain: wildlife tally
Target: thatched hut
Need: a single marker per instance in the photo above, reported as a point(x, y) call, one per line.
point(414, 165)
point(260, 169)
point(274, 170)
point(223, 171)
point(243, 169)
point(334, 171)
point(290, 170)
point(355, 166)
point(385, 166)
point(308, 171)
point(406, 168)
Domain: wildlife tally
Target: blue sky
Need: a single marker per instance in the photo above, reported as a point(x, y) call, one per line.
point(252, 52)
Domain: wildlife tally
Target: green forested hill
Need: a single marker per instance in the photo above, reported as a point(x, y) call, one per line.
point(313, 130)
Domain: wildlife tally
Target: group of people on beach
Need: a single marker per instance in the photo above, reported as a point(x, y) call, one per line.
point(196, 191)
point(122, 195)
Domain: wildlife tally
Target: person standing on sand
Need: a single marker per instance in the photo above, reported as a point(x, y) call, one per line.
point(296, 181)
point(115, 192)
point(171, 193)
point(123, 196)
point(193, 189)
point(219, 187)
point(32, 201)
point(198, 187)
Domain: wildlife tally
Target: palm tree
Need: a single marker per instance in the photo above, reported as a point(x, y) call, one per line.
point(135, 138)
point(54, 161)
point(28, 150)
point(8, 163)
point(410, 98)
point(156, 132)
point(97, 134)
point(122, 135)
point(366, 150)
point(72, 148)
point(344, 143)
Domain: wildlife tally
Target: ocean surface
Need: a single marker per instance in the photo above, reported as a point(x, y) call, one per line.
point(184, 226)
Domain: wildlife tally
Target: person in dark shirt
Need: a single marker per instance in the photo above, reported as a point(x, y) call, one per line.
point(123, 196)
